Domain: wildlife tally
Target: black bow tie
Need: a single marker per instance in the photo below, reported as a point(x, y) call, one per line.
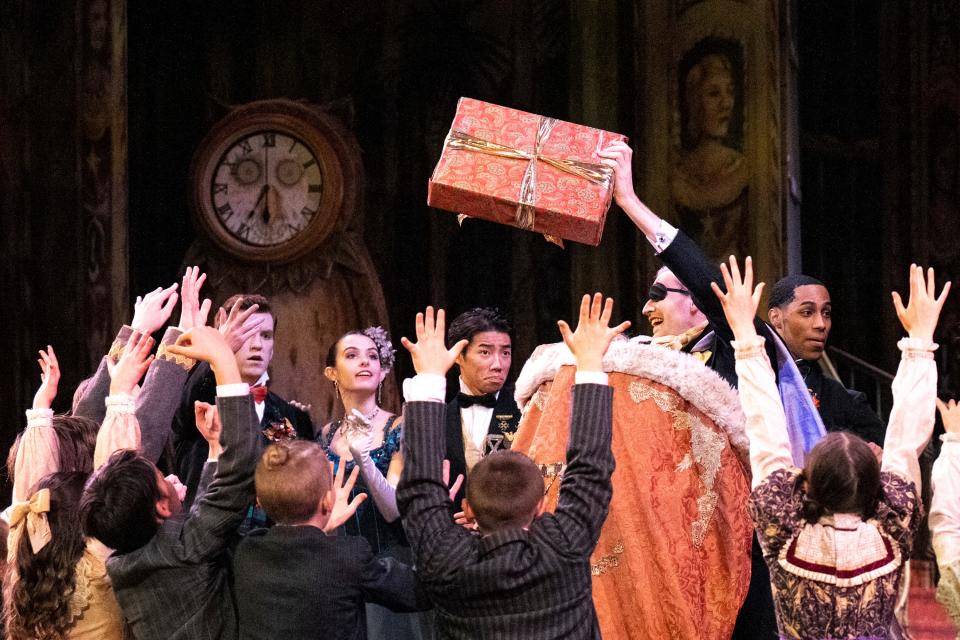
point(488, 400)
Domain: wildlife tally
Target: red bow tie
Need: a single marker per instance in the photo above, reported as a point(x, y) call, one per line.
point(259, 393)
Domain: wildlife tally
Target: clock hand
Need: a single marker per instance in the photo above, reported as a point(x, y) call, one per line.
point(263, 192)
point(272, 207)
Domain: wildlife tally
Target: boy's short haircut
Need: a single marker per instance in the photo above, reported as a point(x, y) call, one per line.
point(291, 479)
point(503, 490)
point(119, 504)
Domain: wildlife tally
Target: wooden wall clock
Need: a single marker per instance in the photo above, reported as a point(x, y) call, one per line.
point(272, 180)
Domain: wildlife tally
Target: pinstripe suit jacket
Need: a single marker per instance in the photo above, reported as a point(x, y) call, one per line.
point(514, 583)
point(176, 586)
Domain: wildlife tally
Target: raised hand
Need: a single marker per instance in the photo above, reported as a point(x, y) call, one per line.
point(207, 419)
point(593, 334)
point(49, 379)
point(343, 508)
point(192, 312)
point(619, 156)
point(920, 315)
point(153, 310)
point(131, 366)
point(950, 413)
point(206, 343)
point(237, 326)
point(430, 353)
point(741, 299)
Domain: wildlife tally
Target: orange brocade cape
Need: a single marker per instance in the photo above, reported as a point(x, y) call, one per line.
point(673, 560)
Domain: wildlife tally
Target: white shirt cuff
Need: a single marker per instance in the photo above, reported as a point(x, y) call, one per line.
point(233, 390)
point(39, 417)
point(591, 377)
point(121, 402)
point(425, 387)
point(663, 236)
point(917, 347)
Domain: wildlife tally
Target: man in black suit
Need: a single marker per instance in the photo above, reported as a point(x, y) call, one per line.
point(527, 575)
point(685, 283)
point(483, 416)
point(690, 273)
point(169, 570)
point(800, 309)
point(249, 330)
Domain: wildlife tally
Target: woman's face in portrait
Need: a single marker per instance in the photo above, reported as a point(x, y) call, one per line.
point(716, 97)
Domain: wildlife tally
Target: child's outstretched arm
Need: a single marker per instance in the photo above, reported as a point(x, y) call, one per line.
point(915, 387)
point(221, 510)
point(422, 495)
point(759, 397)
point(945, 511)
point(586, 489)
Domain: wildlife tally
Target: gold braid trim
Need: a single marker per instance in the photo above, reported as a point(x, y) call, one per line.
point(608, 563)
point(116, 350)
point(525, 216)
point(164, 353)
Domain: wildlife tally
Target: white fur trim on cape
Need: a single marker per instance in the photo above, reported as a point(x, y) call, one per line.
point(698, 384)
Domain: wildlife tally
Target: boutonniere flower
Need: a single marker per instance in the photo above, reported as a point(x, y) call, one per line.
point(280, 431)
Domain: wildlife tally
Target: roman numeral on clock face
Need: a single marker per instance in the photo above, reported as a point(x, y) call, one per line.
point(225, 211)
point(269, 139)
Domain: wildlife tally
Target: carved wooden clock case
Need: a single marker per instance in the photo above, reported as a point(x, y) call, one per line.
point(276, 193)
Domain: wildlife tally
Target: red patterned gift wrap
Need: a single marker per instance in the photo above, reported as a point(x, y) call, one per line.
point(524, 170)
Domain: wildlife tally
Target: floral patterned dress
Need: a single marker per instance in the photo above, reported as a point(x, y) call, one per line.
point(841, 574)
point(837, 578)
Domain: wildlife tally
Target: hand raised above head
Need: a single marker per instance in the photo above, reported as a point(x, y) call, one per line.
point(741, 298)
point(133, 363)
point(593, 334)
point(429, 352)
point(192, 312)
point(618, 156)
point(206, 343)
point(238, 326)
point(950, 413)
point(922, 312)
point(49, 379)
point(153, 310)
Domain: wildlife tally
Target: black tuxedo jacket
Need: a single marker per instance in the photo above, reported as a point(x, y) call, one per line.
point(514, 584)
point(504, 422)
point(191, 449)
point(842, 409)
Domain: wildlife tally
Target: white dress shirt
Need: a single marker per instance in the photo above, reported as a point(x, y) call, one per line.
point(475, 423)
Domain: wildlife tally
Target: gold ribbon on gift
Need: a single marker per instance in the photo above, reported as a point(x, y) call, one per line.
point(525, 216)
point(33, 514)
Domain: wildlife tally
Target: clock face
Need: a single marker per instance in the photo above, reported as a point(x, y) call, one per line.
point(273, 179)
point(266, 188)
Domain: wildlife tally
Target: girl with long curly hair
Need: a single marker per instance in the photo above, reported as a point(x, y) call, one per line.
point(56, 586)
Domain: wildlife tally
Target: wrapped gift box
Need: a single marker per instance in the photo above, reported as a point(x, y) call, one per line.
point(524, 170)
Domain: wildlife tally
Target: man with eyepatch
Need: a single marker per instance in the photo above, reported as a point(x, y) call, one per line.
point(685, 314)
